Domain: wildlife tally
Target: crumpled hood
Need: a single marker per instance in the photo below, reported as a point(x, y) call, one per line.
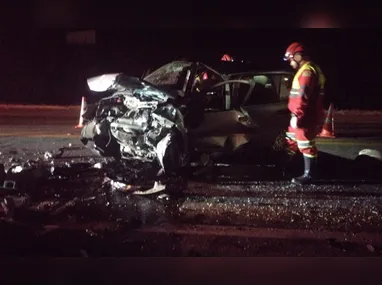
point(103, 82)
point(122, 82)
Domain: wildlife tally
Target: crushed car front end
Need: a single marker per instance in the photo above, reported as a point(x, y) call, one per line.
point(134, 120)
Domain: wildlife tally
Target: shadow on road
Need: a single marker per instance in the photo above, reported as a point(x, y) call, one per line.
point(363, 169)
point(276, 167)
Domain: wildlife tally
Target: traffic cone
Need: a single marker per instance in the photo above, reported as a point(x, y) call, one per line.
point(82, 112)
point(226, 57)
point(328, 127)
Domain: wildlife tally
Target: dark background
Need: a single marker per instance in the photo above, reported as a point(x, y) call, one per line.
point(37, 66)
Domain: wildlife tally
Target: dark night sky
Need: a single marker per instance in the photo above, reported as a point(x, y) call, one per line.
point(37, 66)
point(112, 13)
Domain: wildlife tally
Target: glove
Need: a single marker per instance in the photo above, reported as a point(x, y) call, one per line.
point(293, 122)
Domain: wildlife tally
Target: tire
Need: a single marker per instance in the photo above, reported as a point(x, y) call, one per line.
point(104, 146)
point(176, 156)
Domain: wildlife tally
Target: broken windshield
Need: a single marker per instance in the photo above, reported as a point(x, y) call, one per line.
point(171, 76)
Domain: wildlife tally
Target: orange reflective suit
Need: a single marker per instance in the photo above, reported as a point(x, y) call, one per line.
point(306, 105)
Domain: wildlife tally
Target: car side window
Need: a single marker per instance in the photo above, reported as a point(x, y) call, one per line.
point(214, 99)
point(205, 79)
point(264, 91)
point(239, 91)
point(285, 86)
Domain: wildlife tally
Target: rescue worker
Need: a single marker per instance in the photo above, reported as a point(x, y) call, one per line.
point(306, 107)
point(199, 80)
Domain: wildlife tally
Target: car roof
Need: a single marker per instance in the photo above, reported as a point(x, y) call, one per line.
point(235, 68)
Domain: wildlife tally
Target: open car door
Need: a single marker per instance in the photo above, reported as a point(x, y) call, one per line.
point(224, 125)
point(266, 107)
point(220, 121)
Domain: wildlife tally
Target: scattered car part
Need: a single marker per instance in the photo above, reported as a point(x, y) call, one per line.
point(8, 206)
point(9, 184)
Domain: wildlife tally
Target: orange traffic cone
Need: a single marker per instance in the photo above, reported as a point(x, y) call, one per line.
point(82, 112)
point(226, 57)
point(328, 127)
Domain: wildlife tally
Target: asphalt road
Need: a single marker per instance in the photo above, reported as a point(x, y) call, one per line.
point(210, 216)
point(354, 131)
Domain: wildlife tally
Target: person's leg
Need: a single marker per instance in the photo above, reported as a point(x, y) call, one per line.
point(291, 141)
point(307, 145)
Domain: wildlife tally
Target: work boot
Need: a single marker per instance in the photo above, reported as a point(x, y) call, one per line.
point(310, 165)
point(289, 163)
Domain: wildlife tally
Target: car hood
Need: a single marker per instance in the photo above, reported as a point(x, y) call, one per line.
point(121, 82)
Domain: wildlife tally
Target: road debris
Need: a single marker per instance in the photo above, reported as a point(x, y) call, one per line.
point(158, 187)
point(48, 155)
point(16, 169)
point(370, 248)
point(8, 206)
point(84, 253)
point(62, 208)
point(98, 165)
point(64, 201)
point(9, 184)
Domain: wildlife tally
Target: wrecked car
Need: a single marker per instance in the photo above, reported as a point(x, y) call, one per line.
point(186, 109)
point(135, 121)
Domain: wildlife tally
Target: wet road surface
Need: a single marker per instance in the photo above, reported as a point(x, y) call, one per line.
point(255, 213)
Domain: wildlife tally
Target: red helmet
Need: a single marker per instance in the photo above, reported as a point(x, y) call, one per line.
point(227, 57)
point(292, 49)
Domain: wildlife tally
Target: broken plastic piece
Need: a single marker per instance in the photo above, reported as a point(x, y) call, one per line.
point(98, 165)
point(89, 198)
point(8, 206)
point(90, 232)
point(370, 248)
point(119, 186)
point(9, 184)
point(164, 197)
point(47, 155)
point(16, 169)
point(158, 187)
